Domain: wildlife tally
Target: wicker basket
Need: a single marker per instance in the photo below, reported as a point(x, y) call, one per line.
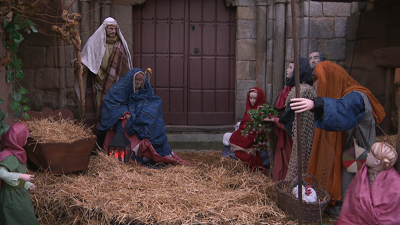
point(312, 212)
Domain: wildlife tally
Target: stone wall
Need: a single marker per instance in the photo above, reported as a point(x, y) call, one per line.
point(321, 27)
point(49, 75)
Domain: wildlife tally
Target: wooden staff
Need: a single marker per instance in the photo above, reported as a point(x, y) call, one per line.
point(298, 123)
point(71, 36)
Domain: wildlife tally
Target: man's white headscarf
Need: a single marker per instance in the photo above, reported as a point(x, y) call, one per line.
point(93, 51)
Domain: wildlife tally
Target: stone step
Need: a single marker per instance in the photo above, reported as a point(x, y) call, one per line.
point(197, 137)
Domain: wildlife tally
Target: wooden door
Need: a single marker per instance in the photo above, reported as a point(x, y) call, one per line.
point(190, 45)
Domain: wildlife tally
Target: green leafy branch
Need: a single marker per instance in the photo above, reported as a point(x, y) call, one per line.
point(256, 128)
point(13, 22)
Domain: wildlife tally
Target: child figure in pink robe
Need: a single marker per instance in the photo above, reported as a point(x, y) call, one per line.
point(373, 196)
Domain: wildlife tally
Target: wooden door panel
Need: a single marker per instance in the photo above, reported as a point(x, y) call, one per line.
point(208, 39)
point(194, 101)
point(177, 10)
point(209, 11)
point(148, 62)
point(224, 13)
point(195, 10)
point(208, 73)
point(177, 37)
point(190, 45)
point(194, 73)
point(232, 101)
point(149, 10)
point(162, 71)
point(148, 31)
point(177, 73)
point(222, 73)
point(195, 38)
point(162, 9)
point(163, 93)
point(222, 101)
point(162, 37)
point(136, 61)
point(176, 101)
point(208, 101)
point(223, 33)
point(137, 37)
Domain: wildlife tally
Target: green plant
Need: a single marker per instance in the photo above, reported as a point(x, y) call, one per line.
point(3, 126)
point(12, 22)
point(256, 125)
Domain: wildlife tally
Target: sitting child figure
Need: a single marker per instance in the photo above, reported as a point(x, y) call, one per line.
point(373, 196)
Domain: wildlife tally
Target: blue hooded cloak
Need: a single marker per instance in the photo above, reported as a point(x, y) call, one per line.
point(145, 107)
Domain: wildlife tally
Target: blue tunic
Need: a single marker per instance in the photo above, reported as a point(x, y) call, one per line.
point(341, 114)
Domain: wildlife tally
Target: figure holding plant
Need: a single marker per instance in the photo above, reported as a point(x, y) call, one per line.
point(285, 163)
point(249, 138)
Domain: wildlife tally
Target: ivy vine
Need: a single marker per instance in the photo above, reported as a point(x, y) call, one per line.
point(13, 22)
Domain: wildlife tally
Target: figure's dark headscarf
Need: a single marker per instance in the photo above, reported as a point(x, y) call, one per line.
point(145, 107)
point(306, 74)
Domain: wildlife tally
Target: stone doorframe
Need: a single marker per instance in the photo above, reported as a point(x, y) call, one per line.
point(252, 38)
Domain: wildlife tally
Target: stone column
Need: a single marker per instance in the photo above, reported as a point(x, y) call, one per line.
point(85, 20)
point(105, 9)
point(279, 48)
point(261, 43)
point(270, 51)
point(96, 15)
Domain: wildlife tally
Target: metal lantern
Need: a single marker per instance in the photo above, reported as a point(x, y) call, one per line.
point(120, 147)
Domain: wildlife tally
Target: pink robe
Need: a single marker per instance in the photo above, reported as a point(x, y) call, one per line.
point(376, 204)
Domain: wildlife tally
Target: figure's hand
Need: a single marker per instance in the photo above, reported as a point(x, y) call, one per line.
point(32, 187)
point(127, 116)
point(301, 104)
point(269, 119)
point(26, 177)
point(77, 65)
point(260, 106)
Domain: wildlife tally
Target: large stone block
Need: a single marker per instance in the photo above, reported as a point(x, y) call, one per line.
point(29, 79)
point(321, 27)
point(246, 13)
point(336, 9)
point(61, 56)
point(315, 9)
point(304, 50)
point(354, 8)
point(127, 32)
point(39, 39)
point(312, 46)
point(69, 55)
point(51, 56)
point(270, 50)
point(304, 27)
point(270, 29)
point(289, 49)
point(246, 49)
point(340, 26)
point(288, 27)
point(124, 17)
point(71, 98)
point(333, 49)
point(270, 12)
point(246, 2)
point(32, 57)
point(48, 78)
point(242, 70)
point(252, 70)
point(246, 29)
point(69, 77)
point(240, 109)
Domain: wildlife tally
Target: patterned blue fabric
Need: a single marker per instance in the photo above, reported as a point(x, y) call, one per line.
point(147, 117)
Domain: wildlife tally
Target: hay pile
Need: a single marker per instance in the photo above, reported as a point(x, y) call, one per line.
point(391, 139)
point(209, 191)
point(57, 130)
